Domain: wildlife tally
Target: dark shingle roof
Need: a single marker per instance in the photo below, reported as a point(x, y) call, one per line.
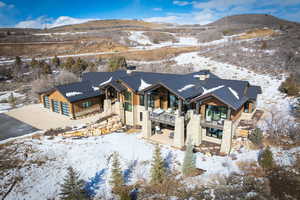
point(188, 86)
point(78, 91)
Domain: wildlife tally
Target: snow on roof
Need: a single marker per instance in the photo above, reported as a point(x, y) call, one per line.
point(143, 85)
point(211, 89)
point(234, 92)
point(105, 82)
point(70, 94)
point(186, 87)
point(95, 88)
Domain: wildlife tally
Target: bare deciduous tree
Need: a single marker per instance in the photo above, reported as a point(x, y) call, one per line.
point(66, 77)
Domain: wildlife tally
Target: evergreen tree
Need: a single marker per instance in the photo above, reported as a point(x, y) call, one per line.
point(68, 65)
point(117, 62)
point(34, 63)
point(158, 170)
point(79, 66)
point(265, 158)
point(18, 61)
point(116, 173)
point(73, 187)
point(189, 162)
point(12, 100)
point(56, 61)
point(45, 67)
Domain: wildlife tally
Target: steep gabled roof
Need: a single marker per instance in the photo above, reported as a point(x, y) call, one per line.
point(78, 91)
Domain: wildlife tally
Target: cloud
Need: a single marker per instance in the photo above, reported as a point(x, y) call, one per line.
point(181, 3)
point(201, 17)
point(44, 22)
point(157, 9)
point(166, 19)
point(2, 4)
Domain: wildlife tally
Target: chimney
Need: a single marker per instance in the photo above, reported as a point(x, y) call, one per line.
point(203, 77)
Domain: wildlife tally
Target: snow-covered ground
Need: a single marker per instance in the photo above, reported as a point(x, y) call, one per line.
point(4, 107)
point(91, 155)
point(270, 98)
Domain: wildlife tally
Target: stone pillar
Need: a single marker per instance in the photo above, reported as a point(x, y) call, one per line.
point(179, 132)
point(107, 107)
point(227, 137)
point(194, 130)
point(146, 101)
point(180, 103)
point(146, 128)
point(119, 110)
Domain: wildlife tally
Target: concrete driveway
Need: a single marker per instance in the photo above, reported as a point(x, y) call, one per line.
point(41, 118)
point(11, 127)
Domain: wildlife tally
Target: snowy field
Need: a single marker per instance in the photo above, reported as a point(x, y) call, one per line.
point(90, 156)
point(4, 107)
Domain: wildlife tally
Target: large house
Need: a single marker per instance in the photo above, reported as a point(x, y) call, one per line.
point(198, 106)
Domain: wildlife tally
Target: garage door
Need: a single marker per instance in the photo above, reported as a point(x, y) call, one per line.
point(46, 102)
point(55, 105)
point(65, 108)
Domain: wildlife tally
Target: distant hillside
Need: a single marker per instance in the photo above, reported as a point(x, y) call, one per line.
point(251, 19)
point(108, 24)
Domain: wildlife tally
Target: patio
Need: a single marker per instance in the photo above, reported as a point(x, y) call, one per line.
point(163, 137)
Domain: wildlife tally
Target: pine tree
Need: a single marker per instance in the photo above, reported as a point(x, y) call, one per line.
point(158, 169)
point(189, 162)
point(34, 63)
point(68, 65)
point(117, 62)
point(73, 187)
point(12, 100)
point(117, 179)
point(56, 61)
point(265, 158)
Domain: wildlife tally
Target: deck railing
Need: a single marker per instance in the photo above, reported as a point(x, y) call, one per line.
point(212, 124)
point(164, 118)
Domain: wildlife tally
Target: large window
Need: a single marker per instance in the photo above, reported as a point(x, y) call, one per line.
point(151, 101)
point(173, 101)
point(142, 101)
point(127, 103)
point(86, 104)
point(216, 113)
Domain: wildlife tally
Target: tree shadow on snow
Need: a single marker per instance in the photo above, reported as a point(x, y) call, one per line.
point(127, 174)
point(94, 183)
point(168, 161)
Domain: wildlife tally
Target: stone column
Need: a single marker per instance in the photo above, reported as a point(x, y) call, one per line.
point(119, 110)
point(179, 132)
point(194, 131)
point(227, 137)
point(146, 101)
point(107, 107)
point(146, 128)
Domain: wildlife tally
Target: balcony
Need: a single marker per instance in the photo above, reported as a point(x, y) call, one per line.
point(213, 124)
point(162, 116)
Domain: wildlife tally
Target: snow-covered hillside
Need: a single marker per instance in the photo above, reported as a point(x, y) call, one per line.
point(91, 156)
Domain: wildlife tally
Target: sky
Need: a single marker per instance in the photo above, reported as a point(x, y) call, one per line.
point(51, 13)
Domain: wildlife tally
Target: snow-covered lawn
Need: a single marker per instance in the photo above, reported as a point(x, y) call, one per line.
point(91, 155)
point(271, 98)
point(4, 107)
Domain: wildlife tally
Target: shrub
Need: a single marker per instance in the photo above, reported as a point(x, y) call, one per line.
point(265, 159)
point(256, 136)
point(41, 85)
point(290, 86)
